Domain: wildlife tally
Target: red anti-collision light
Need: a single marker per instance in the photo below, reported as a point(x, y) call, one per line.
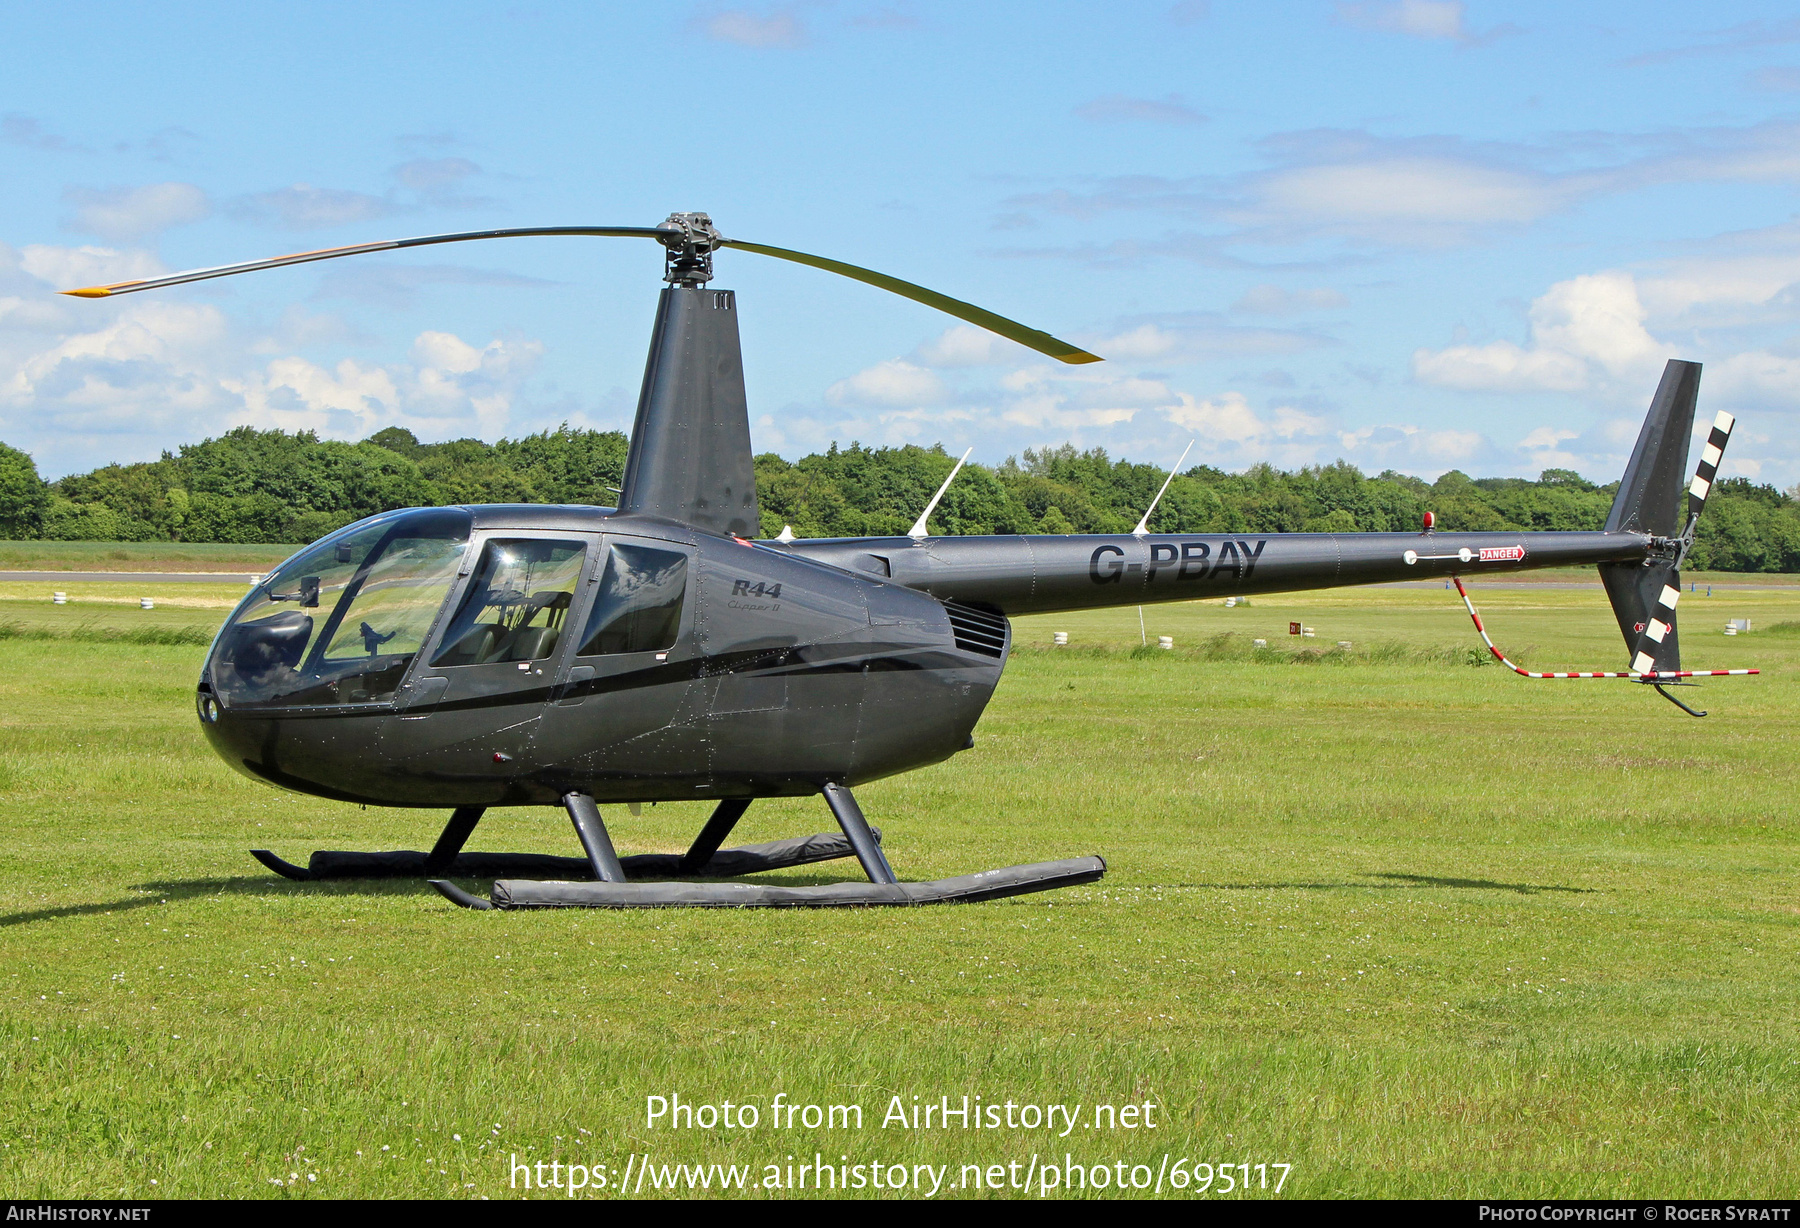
point(1430, 521)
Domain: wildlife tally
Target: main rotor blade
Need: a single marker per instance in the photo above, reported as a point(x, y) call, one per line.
point(332, 253)
point(1012, 330)
point(1042, 342)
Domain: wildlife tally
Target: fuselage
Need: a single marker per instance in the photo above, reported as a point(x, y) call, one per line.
point(506, 655)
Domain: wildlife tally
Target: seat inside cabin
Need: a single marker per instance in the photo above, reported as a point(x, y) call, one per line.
point(520, 630)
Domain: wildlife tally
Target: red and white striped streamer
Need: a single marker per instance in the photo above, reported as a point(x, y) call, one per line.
point(1638, 675)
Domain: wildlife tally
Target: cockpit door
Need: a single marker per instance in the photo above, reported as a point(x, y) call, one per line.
point(628, 719)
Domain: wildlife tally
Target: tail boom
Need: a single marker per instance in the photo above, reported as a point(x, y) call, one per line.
point(1050, 574)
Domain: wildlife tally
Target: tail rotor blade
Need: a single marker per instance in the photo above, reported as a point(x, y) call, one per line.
point(1708, 469)
point(1012, 330)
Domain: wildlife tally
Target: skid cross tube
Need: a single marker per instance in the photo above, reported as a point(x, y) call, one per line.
point(725, 816)
point(456, 834)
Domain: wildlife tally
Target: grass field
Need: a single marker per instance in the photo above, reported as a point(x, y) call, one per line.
point(1412, 926)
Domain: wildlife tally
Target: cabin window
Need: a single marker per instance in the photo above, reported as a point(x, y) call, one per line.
point(516, 604)
point(638, 608)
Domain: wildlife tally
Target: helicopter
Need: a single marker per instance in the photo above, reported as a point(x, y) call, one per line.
point(471, 657)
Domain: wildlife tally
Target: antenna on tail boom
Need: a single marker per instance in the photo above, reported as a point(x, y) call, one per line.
point(919, 532)
point(1143, 525)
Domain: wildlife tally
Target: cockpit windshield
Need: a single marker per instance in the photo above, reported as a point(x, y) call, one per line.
point(340, 622)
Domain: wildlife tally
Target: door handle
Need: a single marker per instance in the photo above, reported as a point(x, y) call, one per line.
point(569, 693)
point(422, 697)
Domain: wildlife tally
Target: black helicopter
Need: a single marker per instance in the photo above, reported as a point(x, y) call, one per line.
point(508, 655)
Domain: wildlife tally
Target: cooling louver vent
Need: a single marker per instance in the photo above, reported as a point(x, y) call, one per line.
point(977, 630)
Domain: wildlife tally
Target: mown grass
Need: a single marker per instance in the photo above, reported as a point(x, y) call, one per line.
point(1414, 927)
point(139, 556)
point(96, 633)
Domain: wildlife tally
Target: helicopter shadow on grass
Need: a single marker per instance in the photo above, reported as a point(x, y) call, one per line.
point(169, 891)
point(1402, 882)
point(160, 893)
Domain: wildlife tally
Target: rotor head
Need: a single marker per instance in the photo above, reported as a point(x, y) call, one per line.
point(690, 242)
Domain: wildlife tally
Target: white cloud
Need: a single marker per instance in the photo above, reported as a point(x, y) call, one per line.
point(1146, 341)
point(1546, 437)
point(1144, 417)
point(1412, 449)
point(34, 314)
point(299, 329)
point(1407, 201)
point(1544, 449)
point(1185, 340)
point(1755, 377)
point(1276, 301)
point(1499, 366)
point(142, 372)
point(1445, 19)
point(1600, 318)
point(893, 382)
point(779, 27)
point(304, 207)
point(1737, 280)
point(148, 367)
point(1409, 192)
point(964, 345)
point(448, 387)
point(1229, 418)
point(65, 268)
point(1581, 329)
point(126, 215)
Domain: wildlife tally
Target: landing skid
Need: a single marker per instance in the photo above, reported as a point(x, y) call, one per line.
point(967, 889)
point(602, 878)
point(858, 837)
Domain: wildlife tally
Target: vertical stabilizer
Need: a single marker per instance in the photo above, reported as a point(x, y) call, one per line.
point(1649, 498)
point(690, 447)
point(1650, 501)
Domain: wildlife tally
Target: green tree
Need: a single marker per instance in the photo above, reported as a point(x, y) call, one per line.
point(24, 498)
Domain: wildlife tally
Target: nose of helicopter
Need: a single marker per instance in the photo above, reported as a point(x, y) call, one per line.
point(306, 756)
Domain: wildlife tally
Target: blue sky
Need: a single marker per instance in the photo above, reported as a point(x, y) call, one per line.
point(1416, 234)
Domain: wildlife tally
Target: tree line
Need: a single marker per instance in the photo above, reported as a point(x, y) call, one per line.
point(270, 486)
